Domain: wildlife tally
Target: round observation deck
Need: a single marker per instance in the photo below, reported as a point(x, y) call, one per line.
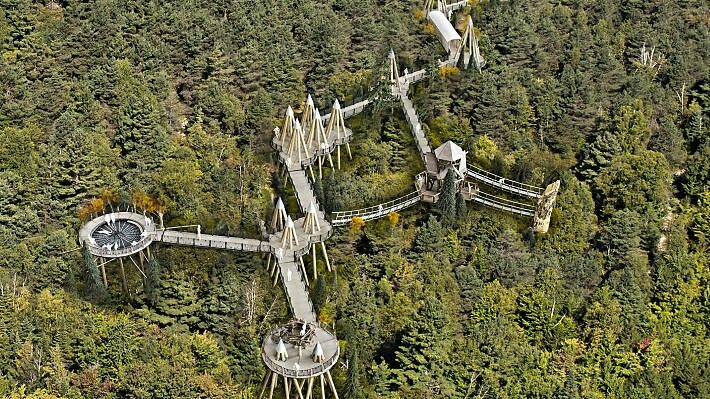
point(117, 234)
point(300, 350)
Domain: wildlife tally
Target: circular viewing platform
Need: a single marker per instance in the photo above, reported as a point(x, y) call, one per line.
point(117, 234)
point(300, 350)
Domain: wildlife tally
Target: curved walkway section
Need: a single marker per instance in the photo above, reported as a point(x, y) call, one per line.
point(377, 211)
point(503, 204)
point(501, 183)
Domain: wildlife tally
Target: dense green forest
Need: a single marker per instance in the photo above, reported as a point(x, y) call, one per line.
point(174, 103)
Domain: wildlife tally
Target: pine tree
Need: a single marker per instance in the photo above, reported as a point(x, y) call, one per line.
point(318, 189)
point(320, 295)
point(447, 198)
point(152, 280)
point(461, 209)
point(353, 388)
point(94, 285)
point(140, 133)
point(422, 355)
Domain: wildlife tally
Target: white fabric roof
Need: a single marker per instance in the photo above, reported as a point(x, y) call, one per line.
point(449, 152)
point(443, 25)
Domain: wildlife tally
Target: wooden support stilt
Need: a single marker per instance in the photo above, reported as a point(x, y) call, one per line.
point(273, 385)
point(276, 277)
point(303, 268)
point(123, 277)
point(330, 161)
point(315, 264)
point(322, 386)
point(332, 386)
point(309, 393)
point(138, 267)
point(310, 169)
point(338, 157)
point(268, 262)
point(350, 155)
point(103, 274)
point(287, 387)
point(264, 384)
point(325, 255)
point(299, 387)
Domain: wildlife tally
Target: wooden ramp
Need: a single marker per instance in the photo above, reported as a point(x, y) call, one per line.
point(377, 211)
point(210, 241)
point(503, 184)
point(295, 287)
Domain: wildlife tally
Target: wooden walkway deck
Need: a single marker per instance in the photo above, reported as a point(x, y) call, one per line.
point(211, 241)
point(295, 288)
point(503, 184)
point(377, 211)
point(302, 187)
point(415, 126)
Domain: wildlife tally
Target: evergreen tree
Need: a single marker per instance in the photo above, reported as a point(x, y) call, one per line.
point(93, 284)
point(140, 133)
point(318, 189)
point(447, 198)
point(319, 296)
point(422, 354)
point(461, 209)
point(152, 280)
point(353, 388)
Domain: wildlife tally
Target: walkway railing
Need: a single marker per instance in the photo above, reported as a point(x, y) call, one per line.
point(377, 211)
point(211, 241)
point(119, 252)
point(503, 204)
point(310, 372)
point(504, 184)
point(295, 264)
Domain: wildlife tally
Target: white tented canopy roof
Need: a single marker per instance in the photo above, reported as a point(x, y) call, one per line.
point(449, 152)
point(442, 24)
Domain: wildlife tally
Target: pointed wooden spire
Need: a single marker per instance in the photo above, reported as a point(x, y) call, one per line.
point(336, 124)
point(281, 353)
point(310, 222)
point(316, 132)
point(309, 114)
point(297, 149)
point(288, 237)
point(394, 71)
point(278, 220)
point(288, 127)
point(318, 353)
point(469, 48)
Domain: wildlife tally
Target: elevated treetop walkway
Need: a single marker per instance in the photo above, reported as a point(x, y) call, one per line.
point(503, 184)
point(302, 143)
point(377, 211)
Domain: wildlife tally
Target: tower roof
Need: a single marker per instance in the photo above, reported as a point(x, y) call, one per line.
point(449, 152)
